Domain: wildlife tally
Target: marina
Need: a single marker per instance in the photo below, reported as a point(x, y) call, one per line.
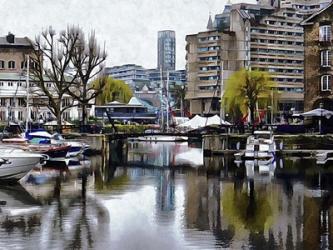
point(210, 203)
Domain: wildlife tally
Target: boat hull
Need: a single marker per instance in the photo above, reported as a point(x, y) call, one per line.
point(18, 166)
point(55, 153)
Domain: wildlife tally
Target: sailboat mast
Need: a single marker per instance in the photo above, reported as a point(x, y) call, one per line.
point(167, 101)
point(28, 86)
point(162, 99)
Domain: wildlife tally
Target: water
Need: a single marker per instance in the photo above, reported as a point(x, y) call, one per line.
point(165, 196)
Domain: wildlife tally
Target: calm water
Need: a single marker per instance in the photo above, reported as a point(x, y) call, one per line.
point(165, 196)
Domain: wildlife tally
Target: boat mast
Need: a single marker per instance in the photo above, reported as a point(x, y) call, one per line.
point(27, 80)
point(162, 99)
point(167, 101)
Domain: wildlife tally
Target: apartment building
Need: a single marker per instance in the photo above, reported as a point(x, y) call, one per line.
point(206, 69)
point(318, 59)
point(13, 84)
point(277, 47)
point(134, 75)
point(267, 36)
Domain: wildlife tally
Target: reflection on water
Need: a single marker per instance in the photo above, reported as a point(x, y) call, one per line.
point(164, 154)
point(284, 204)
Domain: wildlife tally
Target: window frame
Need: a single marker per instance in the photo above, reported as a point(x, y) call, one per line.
point(325, 58)
point(325, 80)
point(325, 33)
point(11, 64)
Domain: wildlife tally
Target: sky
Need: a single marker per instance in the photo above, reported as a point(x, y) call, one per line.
point(127, 27)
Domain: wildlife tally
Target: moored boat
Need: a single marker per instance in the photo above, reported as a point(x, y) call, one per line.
point(54, 152)
point(16, 162)
point(260, 145)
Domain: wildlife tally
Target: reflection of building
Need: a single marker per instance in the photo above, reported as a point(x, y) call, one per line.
point(166, 190)
point(318, 59)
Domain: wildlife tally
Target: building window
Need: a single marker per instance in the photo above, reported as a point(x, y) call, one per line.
point(2, 64)
point(23, 64)
point(10, 84)
point(2, 116)
point(21, 102)
point(325, 58)
point(325, 33)
point(325, 83)
point(11, 65)
point(20, 115)
point(11, 102)
point(3, 102)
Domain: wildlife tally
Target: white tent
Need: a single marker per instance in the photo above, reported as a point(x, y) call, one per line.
point(54, 123)
point(319, 112)
point(200, 122)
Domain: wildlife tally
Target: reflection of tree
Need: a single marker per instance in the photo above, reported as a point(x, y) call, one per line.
point(83, 223)
point(252, 210)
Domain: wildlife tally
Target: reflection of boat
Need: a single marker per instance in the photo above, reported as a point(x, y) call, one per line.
point(260, 145)
point(265, 167)
point(16, 201)
point(16, 162)
point(193, 157)
point(72, 167)
point(161, 138)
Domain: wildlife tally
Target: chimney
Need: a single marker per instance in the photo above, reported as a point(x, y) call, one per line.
point(10, 38)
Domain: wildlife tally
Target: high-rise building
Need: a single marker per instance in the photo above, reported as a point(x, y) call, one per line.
point(166, 50)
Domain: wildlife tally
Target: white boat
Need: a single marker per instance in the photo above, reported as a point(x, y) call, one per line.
point(260, 145)
point(76, 149)
point(16, 162)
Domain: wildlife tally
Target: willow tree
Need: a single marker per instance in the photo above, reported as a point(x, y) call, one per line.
point(112, 90)
point(246, 90)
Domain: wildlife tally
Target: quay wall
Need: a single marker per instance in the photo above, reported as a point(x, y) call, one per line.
point(229, 143)
point(98, 143)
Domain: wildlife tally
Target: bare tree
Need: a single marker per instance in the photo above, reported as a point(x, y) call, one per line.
point(88, 61)
point(52, 60)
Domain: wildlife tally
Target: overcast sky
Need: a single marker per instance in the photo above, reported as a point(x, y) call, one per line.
point(128, 27)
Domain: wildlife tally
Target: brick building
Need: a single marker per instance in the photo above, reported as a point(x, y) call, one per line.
point(318, 59)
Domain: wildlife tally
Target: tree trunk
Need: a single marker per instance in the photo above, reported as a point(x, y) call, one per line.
point(59, 128)
point(84, 117)
point(252, 117)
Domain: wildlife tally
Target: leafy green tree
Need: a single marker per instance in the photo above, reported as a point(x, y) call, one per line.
point(245, 90)
point(113, 90)
point(179, 93)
